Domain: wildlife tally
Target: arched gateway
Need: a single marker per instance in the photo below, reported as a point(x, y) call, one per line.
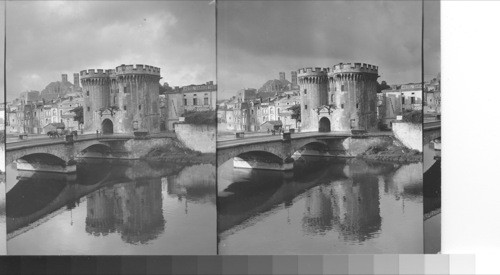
point(324, 125)
point(107, 126)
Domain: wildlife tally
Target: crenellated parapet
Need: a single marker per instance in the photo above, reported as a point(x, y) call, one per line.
point(352, 72)
point(92, 73)
point(138, 69)
point(312, 75)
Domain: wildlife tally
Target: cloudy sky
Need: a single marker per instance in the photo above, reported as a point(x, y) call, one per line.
point(48, 38)
point(2, 36)
point(256, 40)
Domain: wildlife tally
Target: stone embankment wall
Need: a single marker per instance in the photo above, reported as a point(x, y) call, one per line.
point(200, 138)
point(409, 134)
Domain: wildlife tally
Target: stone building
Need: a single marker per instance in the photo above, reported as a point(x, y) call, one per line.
point(399, 100)
point(59, 89)
point(122, 100)
point(173, 107)
point(199, 97)
point(338, 98)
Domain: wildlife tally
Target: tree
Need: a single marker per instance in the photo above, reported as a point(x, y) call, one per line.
point(382, 86)
point(295, 113)
point(165, 88)
point(78, 114)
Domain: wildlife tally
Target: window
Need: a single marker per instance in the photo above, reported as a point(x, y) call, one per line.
point(335, 88)
point(114, 100)
point(305, 91)
point(88, 109)
point(205, 101)
point(124, 107)
point(412, 100)
point(305, 107)
point(357, 105)
point(342, 106)
point(195, 101)
point(88, 93)
point(125, 90)
point(185, 102)
point(342, 87)
point(403, 100)
point(140, 107)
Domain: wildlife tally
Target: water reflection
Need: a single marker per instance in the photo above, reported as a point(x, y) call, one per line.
point(118, 207)
point(326, 206)
point(134, 210)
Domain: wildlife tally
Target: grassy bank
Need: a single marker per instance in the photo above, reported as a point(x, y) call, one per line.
point(392, 153)
point(178, 153)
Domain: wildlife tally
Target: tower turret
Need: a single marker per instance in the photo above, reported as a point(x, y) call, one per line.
point(138, 90)
point(95, 85)
point(313, 93)
point(353, 91)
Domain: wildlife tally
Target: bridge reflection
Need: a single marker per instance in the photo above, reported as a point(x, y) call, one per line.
point(342, 195)
point(121, 196)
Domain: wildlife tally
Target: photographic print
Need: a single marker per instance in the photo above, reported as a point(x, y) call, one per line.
point(110, 133)
point(3, 247)
point(432, 126)
point(319, 138)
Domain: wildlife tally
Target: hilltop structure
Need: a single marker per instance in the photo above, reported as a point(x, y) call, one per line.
point(122, 100)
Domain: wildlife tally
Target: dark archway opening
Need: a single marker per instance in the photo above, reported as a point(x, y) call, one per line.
point(107, 126)
point(324, 125)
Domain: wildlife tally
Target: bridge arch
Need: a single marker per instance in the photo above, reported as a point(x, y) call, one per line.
point(96, 148)
point(41, 158)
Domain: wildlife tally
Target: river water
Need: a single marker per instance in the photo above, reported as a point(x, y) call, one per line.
point(325, 206)
point(3, 246)
point(111, 208)
point(432, 199)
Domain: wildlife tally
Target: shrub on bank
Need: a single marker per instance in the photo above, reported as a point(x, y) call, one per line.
point(201, 118)
point(413, 117)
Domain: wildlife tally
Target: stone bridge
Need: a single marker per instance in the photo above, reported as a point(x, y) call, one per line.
point(276, 149)
point(45, 154)
point(275, 153)
point(432, 130)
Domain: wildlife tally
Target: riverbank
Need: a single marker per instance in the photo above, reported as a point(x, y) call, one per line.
point(391, 153)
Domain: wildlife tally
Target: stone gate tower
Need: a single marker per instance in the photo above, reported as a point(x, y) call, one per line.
point(95, 86)
point(122, 100)
point(353, 92)
point(313, 94)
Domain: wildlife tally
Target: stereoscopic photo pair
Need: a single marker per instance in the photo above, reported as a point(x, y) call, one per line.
point(228, 127)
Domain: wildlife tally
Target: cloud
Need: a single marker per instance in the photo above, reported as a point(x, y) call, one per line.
point(258, 39)
point(49, 38)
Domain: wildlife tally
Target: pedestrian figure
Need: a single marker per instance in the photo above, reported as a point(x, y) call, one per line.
point(97, 133)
